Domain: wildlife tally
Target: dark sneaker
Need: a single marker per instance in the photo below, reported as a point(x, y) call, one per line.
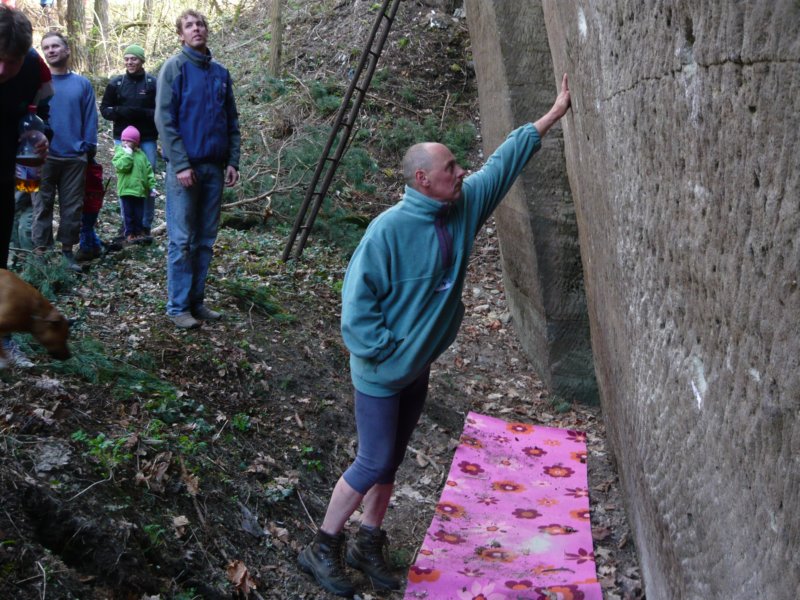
point(365, 553)
point(86, 254)
point(69, 261)
point(184, 321)
point(112, 246)
point(322, 558)
point(204, 313)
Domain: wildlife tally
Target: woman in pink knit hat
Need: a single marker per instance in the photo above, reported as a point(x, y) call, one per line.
point(135, 182)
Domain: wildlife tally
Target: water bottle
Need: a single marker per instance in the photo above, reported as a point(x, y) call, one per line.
point(28, 171)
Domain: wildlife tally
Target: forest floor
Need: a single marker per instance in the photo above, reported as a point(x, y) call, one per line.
point(159, 463)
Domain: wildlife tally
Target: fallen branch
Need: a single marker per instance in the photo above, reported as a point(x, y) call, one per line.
point(81, 493)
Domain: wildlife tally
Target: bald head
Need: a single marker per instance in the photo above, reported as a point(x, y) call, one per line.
point(430, 168)
point(417, 157)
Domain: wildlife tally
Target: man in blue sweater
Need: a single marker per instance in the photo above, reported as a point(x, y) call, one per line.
point(198, 124)
point(401, 308)
point(73, 117)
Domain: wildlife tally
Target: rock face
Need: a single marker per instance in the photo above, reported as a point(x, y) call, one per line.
point(536, 222)
point(682, 153)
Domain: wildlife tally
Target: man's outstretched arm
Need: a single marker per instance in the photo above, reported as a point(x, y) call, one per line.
point(560, 108)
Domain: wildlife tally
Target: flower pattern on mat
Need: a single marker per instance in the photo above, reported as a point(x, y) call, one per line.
point(449, 509)
point(526, 513)
point(417, 574)
point(578, 492)
point(534, 451)
point(576, 436)
point(480, 591)
point(508, 486)
point(470, 468)
point(496, 554)
point(560, 592)
point(519, 586)
point(558, 471)
point(579, 456)
point(513, 519)
point(520, 428)
point(580, 514)
point(581, 556)
point(448, 538)
point(556, 529)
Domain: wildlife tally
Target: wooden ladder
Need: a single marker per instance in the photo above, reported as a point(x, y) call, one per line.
point(343, 124)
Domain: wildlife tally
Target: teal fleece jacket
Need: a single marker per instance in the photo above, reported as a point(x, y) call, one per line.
point(134, 173)
point(401, 308)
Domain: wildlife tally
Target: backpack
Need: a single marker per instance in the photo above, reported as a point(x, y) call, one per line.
point(95, 188)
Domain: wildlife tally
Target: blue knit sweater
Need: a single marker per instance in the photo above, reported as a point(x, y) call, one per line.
point(73, 116)
point(401, 307)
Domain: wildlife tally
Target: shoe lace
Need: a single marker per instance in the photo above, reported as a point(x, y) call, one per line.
point(372, 548)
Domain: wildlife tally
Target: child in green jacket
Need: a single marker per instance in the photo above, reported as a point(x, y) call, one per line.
point(135, 181)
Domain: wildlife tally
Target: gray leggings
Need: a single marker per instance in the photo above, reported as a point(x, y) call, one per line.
point(384, 429)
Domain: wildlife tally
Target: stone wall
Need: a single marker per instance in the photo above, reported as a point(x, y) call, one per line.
point(683, 158)
point(536, 223)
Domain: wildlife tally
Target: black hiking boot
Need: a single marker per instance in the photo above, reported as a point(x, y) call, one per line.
point(322, 558)
point(365, 553)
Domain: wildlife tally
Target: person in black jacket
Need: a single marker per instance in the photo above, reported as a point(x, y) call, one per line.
point(24, 80)
point(130, 99)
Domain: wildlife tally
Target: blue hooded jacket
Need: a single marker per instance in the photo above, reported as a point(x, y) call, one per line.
point(196, 112)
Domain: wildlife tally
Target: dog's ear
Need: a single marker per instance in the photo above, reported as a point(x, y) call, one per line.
point(53, 317)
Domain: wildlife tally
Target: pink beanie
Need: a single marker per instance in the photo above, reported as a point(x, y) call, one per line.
point(130, 134)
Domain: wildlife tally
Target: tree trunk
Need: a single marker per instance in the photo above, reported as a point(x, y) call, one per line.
point(76, 30)
point(275, 43)
point(98, 50)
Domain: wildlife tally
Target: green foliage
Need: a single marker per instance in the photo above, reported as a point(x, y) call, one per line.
point(275, 492)
point(108, 452)
point(255, 296)
point(408, 95)
point(460, 138)
point(154, 533)
point(307, 454)
point(355, 169)
point(326, 95)
point(90, 362)
point(401, 134)
point(240, 422)
point(189, 444)
point(172, 409)
point(48, 275)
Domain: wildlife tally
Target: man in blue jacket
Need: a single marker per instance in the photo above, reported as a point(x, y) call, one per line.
point(198, 125)
point(401, 308)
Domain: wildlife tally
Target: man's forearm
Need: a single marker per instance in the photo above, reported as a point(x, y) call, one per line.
point(559, 109)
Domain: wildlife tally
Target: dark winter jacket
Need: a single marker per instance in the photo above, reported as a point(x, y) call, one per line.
point(131, 100)
point(15, 95)
point(196, 111)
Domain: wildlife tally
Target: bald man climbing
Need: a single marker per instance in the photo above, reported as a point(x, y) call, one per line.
point(401, 308)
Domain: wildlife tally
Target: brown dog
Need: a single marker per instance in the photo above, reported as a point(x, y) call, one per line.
point(23, 308)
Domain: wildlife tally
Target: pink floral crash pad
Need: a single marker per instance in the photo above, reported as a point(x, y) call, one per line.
point(513, 519)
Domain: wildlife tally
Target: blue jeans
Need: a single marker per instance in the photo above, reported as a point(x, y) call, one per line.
point(192, 223)
point(134, 215)
point(384, 429)
point(89, 239)
point(150, 149)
